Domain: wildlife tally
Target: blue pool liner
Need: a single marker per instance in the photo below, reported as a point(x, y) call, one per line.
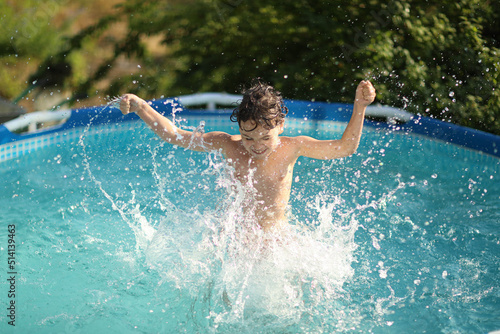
point(419, 125)
point(312, 111)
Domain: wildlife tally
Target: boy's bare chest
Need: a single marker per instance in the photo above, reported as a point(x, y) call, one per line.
point(269, 175)
point(264, 176)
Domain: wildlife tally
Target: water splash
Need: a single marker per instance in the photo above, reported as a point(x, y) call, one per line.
point(114, 102)
point(234, 276)
point(130, 211)
point(243, 275)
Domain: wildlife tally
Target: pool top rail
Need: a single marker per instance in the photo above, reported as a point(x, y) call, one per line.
point(44, 123)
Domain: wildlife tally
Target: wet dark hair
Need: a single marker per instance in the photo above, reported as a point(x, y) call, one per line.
point(262, 104)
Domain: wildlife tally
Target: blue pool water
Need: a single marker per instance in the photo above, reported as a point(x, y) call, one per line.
point(118, 232)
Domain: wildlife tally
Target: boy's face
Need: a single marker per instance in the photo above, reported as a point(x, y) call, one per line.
point(260, 142)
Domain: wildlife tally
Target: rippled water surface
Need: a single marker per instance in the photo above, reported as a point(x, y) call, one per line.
point(123, 233)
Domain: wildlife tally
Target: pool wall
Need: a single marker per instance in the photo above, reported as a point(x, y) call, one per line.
point(429, 127)
point(105, 118)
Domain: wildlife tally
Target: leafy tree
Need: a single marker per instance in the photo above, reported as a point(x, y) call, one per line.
point(438, 59)
point(25, 38)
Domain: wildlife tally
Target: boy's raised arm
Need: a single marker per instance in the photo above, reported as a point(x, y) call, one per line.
point(348, 144)
point(166, 130)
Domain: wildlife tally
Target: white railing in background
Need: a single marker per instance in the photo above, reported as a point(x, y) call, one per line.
point(390, 114)
point(36, 119)
point(40, 120)
point(210, 100)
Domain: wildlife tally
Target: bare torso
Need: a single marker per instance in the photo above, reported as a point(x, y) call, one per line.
point(258, 154)
point(271, 178)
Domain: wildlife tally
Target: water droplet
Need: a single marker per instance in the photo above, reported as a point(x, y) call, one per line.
point(451, 94)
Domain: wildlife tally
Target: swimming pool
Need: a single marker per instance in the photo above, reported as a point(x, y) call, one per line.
point(116, 231)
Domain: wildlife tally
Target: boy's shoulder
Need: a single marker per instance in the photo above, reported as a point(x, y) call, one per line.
point(299, 145)
point(293, 141)
point(291, 144)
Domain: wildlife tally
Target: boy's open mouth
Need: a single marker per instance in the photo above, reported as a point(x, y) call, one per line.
point(259, 152)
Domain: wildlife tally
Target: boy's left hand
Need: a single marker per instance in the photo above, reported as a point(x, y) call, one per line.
point(365, 93)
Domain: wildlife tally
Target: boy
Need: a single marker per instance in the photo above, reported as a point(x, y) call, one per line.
point(260, 157)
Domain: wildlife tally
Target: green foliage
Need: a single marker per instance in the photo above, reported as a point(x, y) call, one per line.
point(25, 28)
point(26, 37)
point(441, 63)
point(439, 60)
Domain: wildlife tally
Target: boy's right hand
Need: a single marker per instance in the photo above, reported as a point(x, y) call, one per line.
point(130, 103)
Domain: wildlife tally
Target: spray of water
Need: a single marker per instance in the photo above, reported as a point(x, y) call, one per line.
point(233, 274)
